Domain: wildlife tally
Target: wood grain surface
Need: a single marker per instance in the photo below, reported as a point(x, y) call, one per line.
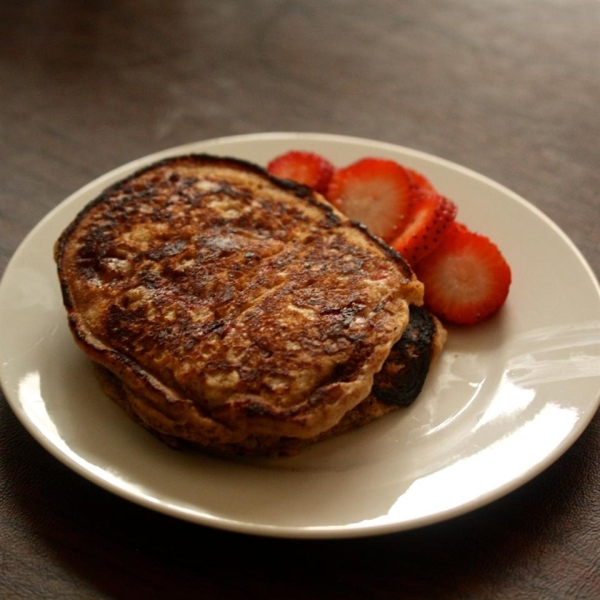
point(508, 88)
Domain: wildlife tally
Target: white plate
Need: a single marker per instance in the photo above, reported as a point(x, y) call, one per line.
point(506, 399)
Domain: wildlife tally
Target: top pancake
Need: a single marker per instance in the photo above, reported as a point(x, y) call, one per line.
point(229, 302)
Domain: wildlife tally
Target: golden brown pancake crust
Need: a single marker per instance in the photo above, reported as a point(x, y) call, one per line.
point(230, 303)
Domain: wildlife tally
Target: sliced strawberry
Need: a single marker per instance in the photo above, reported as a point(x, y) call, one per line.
point(420, 183)
point(308, 168)
point(430, 217)
point(374, 191)
point(466, 278)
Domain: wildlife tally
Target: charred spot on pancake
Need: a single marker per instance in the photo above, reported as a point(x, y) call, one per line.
point(402, 377)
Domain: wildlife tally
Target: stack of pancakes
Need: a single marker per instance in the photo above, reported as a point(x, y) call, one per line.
point(230, 310)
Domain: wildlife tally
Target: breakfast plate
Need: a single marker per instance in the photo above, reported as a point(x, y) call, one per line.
point(504, 401)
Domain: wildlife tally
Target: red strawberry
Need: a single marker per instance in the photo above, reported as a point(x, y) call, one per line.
point(430, 217)
point(374, 191)
point(308, 168)
point(466, 278)
point(420, 183)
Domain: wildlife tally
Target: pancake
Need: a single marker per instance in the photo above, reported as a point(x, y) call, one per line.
point(223, 306)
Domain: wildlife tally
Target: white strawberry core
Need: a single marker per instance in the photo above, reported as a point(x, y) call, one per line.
point(369, 204)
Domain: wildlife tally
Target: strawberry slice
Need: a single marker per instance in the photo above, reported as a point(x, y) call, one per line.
point(308, 168)
point(374, 191)
point(466, 278)
point(430, 217)
point(420, 183)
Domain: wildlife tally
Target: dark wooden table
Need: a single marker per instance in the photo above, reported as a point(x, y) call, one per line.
point(509, 88)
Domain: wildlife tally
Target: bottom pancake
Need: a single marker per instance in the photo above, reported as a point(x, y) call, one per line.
point(398, 384)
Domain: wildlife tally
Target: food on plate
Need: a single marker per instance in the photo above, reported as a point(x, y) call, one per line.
point(229, 309)
point(399, 382)
point(403, 208)
point(374, 191)
point(430, 217)
point(420, 183)
point(466, 277)
point(308, 168)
